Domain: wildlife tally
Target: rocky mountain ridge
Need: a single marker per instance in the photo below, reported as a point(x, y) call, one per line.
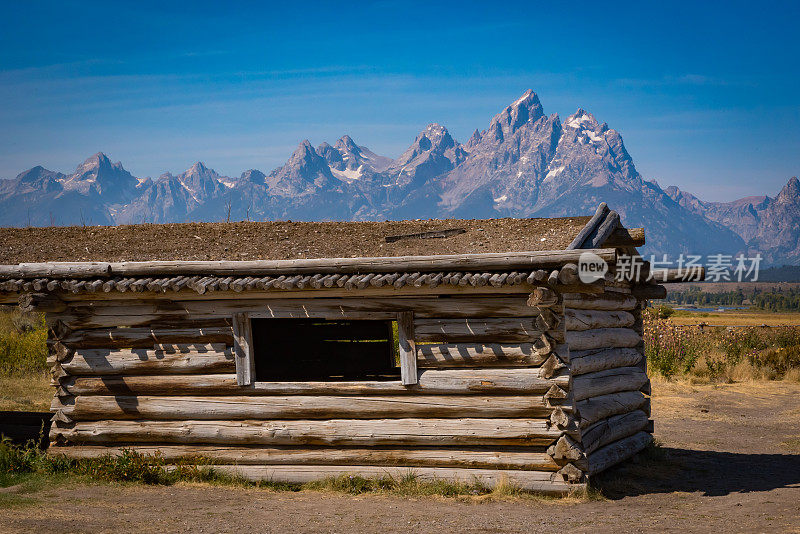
point(524, 164)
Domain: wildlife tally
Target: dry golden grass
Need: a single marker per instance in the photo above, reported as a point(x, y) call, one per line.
point(26, 393)
point(705, 372)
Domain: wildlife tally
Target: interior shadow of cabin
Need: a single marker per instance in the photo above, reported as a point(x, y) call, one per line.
point(325, 350)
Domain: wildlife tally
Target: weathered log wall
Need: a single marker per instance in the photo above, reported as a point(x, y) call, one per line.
point(506, 382)
point(609, 380)
point(493, 393)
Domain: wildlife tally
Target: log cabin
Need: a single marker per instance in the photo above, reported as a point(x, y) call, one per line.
point(499, 365)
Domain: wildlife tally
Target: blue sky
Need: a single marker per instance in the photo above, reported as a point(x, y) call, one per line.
point(705, 94)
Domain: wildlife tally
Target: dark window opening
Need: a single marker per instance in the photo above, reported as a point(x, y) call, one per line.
point(324, 350)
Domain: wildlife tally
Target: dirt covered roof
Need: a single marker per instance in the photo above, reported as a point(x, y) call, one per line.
point(281, 240)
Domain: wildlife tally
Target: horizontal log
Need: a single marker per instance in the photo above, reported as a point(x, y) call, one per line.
point(590, 361)
point(431, 381)
point(41, 302)
point(92, 408)
point(495, 458)
point(143, 312)
point(498, 330)
point(605, 301)
point(387, 291)
point(612, 429)
point(479, 355)
point(334, 432)
point(87, 362)
point(533, 481)
point(146, 337)
point(579, 320)
point(594, 409)
point(609, 381)
point(619, 451)
point(56, 270)
point(450, 262)
point(626, 237)
point(602, 338)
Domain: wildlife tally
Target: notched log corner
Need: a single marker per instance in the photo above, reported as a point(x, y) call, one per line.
point(568, 473)
point(41, 302)
point(565, 448)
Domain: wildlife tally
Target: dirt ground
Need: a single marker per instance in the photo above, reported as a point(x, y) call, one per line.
point(280, 240)
point(730, 462)
point(26, 393)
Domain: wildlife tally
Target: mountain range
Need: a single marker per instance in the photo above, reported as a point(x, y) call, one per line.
point(524, 164)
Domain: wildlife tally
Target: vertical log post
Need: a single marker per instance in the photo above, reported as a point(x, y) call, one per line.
point(243, 349)
point(408, 349)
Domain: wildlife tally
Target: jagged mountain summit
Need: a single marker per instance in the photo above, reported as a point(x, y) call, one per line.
point(770, 226)
point(524, 164)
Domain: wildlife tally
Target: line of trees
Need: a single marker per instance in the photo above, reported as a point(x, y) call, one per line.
point(775, 299)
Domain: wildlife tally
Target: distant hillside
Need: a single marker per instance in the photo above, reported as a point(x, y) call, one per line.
point(786, 273)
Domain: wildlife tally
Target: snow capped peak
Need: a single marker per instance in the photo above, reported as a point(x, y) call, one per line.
point(92, 164)
point(433, 139)
point(198, 167)
point(347, 143)
point(98, 175)
point(304, 154)
point(98, 159)
point(581, 119)
point(435, 131)
point(526, 108)
point(348, 148)
point(305, 171)
point(434, 136)
point(527, 99)
point(349, 161)
point(200, 180)
point(433, 152)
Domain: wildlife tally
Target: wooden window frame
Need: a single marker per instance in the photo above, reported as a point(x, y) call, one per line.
point(245, 355)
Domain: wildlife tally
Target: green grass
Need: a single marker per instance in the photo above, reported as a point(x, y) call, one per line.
point(407, 485)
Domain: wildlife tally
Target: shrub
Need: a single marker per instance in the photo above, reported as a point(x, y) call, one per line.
point(663, 311)
point(23, 343)
point(670, 349)
point(728, 353)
